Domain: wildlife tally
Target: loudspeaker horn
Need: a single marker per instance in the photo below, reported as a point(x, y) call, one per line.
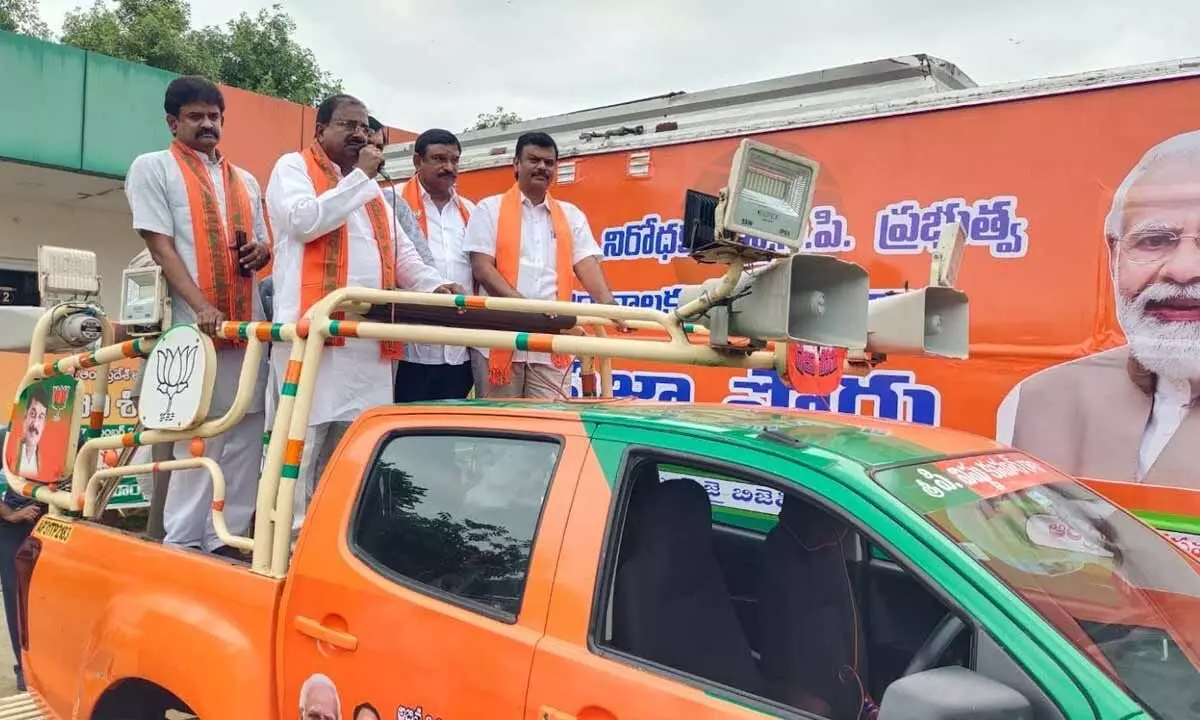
point(930, 321)
point(813, 299)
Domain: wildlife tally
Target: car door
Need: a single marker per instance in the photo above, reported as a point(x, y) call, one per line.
point(421, 581)
point(580, 671)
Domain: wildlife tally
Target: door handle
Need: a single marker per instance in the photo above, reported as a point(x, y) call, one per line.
point(317, 631)
point(549, 713)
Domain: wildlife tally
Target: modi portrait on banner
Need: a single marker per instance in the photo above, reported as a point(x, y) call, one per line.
point(1129, 414)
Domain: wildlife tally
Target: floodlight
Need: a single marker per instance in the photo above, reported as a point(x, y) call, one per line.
point(947, 256)
point(66, 274)
point(143, 298)
point(769, 194)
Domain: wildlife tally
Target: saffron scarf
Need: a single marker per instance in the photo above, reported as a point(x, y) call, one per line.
point(326, 259)
point(412, 196)
point(216, 265)
point(508, 263)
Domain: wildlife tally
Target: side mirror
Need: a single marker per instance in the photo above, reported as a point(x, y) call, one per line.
point(952, 693)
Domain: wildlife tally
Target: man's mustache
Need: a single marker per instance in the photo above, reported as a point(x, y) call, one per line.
point(1162, 292)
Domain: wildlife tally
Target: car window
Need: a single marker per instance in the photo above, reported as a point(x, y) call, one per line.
point(1124, 594)
point(734, 503)
point(731, 582)
point(456, 513)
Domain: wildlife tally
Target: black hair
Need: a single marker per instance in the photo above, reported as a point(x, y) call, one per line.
point(330, 105)
point(37, 393)
point(435, 136)
point(188, 89)
point(536, 139)
point(363, 706)
point(375, 126)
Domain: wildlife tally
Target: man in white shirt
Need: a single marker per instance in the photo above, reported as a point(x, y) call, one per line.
point(328, 213)
point(202, 220)
point(1130, 414)
point(525, 243)
point(437, 372)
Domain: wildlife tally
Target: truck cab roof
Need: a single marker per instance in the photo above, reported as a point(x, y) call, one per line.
point(865, 441)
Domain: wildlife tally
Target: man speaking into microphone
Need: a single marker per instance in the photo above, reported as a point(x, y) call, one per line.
point(329, 213)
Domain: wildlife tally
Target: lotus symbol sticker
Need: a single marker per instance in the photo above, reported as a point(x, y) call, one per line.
point(175, 368)
point(58, 400)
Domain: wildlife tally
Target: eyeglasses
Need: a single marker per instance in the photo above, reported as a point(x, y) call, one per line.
point(352, 126)
point(1149, 247)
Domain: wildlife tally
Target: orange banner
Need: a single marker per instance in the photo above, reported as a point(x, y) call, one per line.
point(1031, 181)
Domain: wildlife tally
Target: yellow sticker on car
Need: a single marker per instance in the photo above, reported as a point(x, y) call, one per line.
point(49, 528)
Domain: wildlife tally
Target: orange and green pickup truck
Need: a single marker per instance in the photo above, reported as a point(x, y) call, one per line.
point(616, 560)
point(611, 559)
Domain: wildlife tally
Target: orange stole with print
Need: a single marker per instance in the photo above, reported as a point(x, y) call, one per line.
point(508, 263)
point(412, 197)
point(216, 267)
point(326, 259)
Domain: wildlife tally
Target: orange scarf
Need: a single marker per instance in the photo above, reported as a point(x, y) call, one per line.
point(412, 196)
point(326, 259)
point(508, 263)
point(216, 267)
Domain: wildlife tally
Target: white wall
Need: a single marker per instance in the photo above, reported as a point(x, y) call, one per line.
point(25, 224)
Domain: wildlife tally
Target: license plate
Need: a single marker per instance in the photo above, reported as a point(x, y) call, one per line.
point(49, 528)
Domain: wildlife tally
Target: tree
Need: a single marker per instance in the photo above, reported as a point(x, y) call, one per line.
point(22, 16)
point(253, 53)
point(154, 32)
point(498, 119)
point(258, 54)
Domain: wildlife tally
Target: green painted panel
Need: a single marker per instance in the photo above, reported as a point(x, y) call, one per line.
point(124, 115)
point(42, 86)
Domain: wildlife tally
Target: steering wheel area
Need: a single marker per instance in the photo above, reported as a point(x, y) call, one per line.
point(936, 644)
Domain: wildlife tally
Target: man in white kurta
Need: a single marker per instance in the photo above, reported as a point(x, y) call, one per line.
point(162, 214)
point(354, 377)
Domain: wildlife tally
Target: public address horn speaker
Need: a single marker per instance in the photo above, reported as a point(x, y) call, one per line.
point(814, 299)
point(929, 321)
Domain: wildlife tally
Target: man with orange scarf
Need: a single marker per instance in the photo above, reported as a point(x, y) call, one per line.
point(203, 223)
point(440, 214)
point(525, 243)
point(333, 230)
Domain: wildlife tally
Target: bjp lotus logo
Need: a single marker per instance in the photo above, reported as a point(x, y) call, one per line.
point(59, 394)
point(175, 368)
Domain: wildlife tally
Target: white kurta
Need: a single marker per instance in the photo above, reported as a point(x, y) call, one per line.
point(447, 232)
point(537, 276)
point(354, 377)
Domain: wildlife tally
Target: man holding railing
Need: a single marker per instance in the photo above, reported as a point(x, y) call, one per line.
point(334, 230)
point(203, 223)
point(527, 244)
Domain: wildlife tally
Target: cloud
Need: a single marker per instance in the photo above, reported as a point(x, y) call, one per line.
point(422, 64)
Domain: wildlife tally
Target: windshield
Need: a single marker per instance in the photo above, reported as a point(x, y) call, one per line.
point(1120, 591)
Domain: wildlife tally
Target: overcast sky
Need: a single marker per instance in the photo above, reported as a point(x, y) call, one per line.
point(423, 63)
